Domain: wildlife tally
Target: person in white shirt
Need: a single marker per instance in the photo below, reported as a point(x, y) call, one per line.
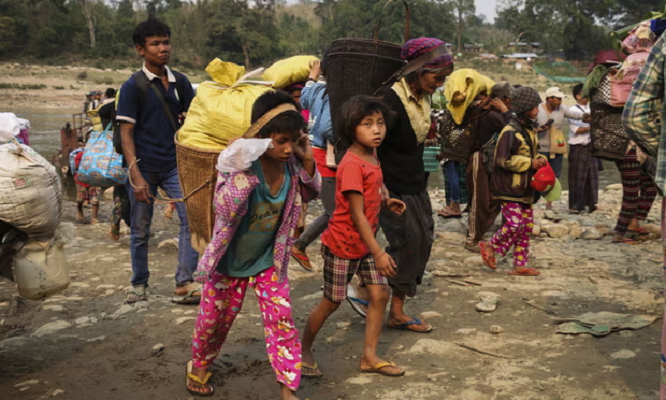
point(551, 136)
point(583, 168)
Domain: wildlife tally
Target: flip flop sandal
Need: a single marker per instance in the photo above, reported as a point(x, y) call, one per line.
point(448, 215)
point(136, 294)
point(316, 374)
point(190, 297)
point(406, 326)
point(491, 262)
point(115, 232)
point(525, 272)
point(379, 369)
point(303, 260)
point(203, 382)
point(640, 231)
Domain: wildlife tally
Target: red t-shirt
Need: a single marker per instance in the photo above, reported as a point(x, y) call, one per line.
point(322, 166)
point(353, 174)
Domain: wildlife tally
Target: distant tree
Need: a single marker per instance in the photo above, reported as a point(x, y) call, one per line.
point(89, 8)
point(464, 9)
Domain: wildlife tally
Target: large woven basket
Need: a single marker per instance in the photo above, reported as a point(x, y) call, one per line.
point(198, 176)
point(361, 66)
point(608, 138)
point(456, 139)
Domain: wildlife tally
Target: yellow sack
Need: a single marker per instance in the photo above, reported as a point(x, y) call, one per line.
point(461, 87)
point(285, 73)
point(221, 109)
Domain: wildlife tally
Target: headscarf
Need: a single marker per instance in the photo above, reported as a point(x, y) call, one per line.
point(461, 88)
point(416, 47)
point(502, 90)
point(524, 99)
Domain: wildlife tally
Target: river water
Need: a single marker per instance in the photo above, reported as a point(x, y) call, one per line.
point(45, 138)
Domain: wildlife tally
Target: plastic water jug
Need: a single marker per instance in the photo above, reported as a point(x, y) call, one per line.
point(41, 270)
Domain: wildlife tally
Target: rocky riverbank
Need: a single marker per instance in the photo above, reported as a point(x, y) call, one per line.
point(86, 343)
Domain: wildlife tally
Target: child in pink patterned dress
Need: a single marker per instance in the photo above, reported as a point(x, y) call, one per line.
point(257, 210)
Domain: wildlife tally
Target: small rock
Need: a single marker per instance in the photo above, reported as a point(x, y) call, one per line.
point(549, 214)
point(496, 329)
point(615, 186)
point(128, 308)
point(343, 325)
point(623, 354)
point(27, 383)
point(108, 259)
point(57, 392)
point(465, 331)
point(624, 334)
point(53, 307)
point(489, 301)
point(168, 243)
point(82, 285)
point(590, 233)
point(430, 314)
point(556, 231)
point(177, 311)
point(183, 320)
point(85, 320)
point(97, 339)
point(473, 261)
point(109, 292)
point(23, 389)
point(451, 236)
point(536, 230)
point(51, 328)
point(575, 232)
point(13, 342)
point(543, 235)
point(189, 312)
point(158, 349)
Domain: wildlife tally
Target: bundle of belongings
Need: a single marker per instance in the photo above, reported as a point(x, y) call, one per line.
point(30, 248)
point(608, 87)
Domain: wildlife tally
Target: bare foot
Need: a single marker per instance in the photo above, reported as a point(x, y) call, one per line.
point(286, 393)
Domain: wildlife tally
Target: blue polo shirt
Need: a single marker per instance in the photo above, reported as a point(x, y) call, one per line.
point(153, 133)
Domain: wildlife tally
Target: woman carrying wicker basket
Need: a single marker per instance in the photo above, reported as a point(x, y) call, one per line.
point(411, 234)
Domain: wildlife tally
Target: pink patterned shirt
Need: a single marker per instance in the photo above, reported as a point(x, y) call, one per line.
point(232, 198)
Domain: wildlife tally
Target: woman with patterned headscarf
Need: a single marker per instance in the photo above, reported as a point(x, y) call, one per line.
point(411, 234)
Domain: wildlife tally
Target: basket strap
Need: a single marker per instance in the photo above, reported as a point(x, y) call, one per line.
point(408, 18)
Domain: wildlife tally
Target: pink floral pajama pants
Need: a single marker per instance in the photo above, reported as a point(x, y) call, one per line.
point(515, 232)
point(221, 301)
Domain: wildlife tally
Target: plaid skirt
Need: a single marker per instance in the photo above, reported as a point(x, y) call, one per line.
point(464, 193)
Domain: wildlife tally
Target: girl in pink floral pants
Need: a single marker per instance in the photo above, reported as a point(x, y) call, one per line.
point(221, 301)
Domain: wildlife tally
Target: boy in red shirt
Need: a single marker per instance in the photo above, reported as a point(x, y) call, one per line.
point(349, 244)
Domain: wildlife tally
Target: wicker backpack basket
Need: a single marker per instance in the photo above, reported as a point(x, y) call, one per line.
point(360, 67)
point(457, 139)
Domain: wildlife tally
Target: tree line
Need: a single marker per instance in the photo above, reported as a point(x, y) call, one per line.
point(257, 32)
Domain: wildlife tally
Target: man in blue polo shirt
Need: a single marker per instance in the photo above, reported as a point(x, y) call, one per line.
point(147, 134)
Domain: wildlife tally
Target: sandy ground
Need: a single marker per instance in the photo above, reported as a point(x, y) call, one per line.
point(109, 354)
point(64, 88)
